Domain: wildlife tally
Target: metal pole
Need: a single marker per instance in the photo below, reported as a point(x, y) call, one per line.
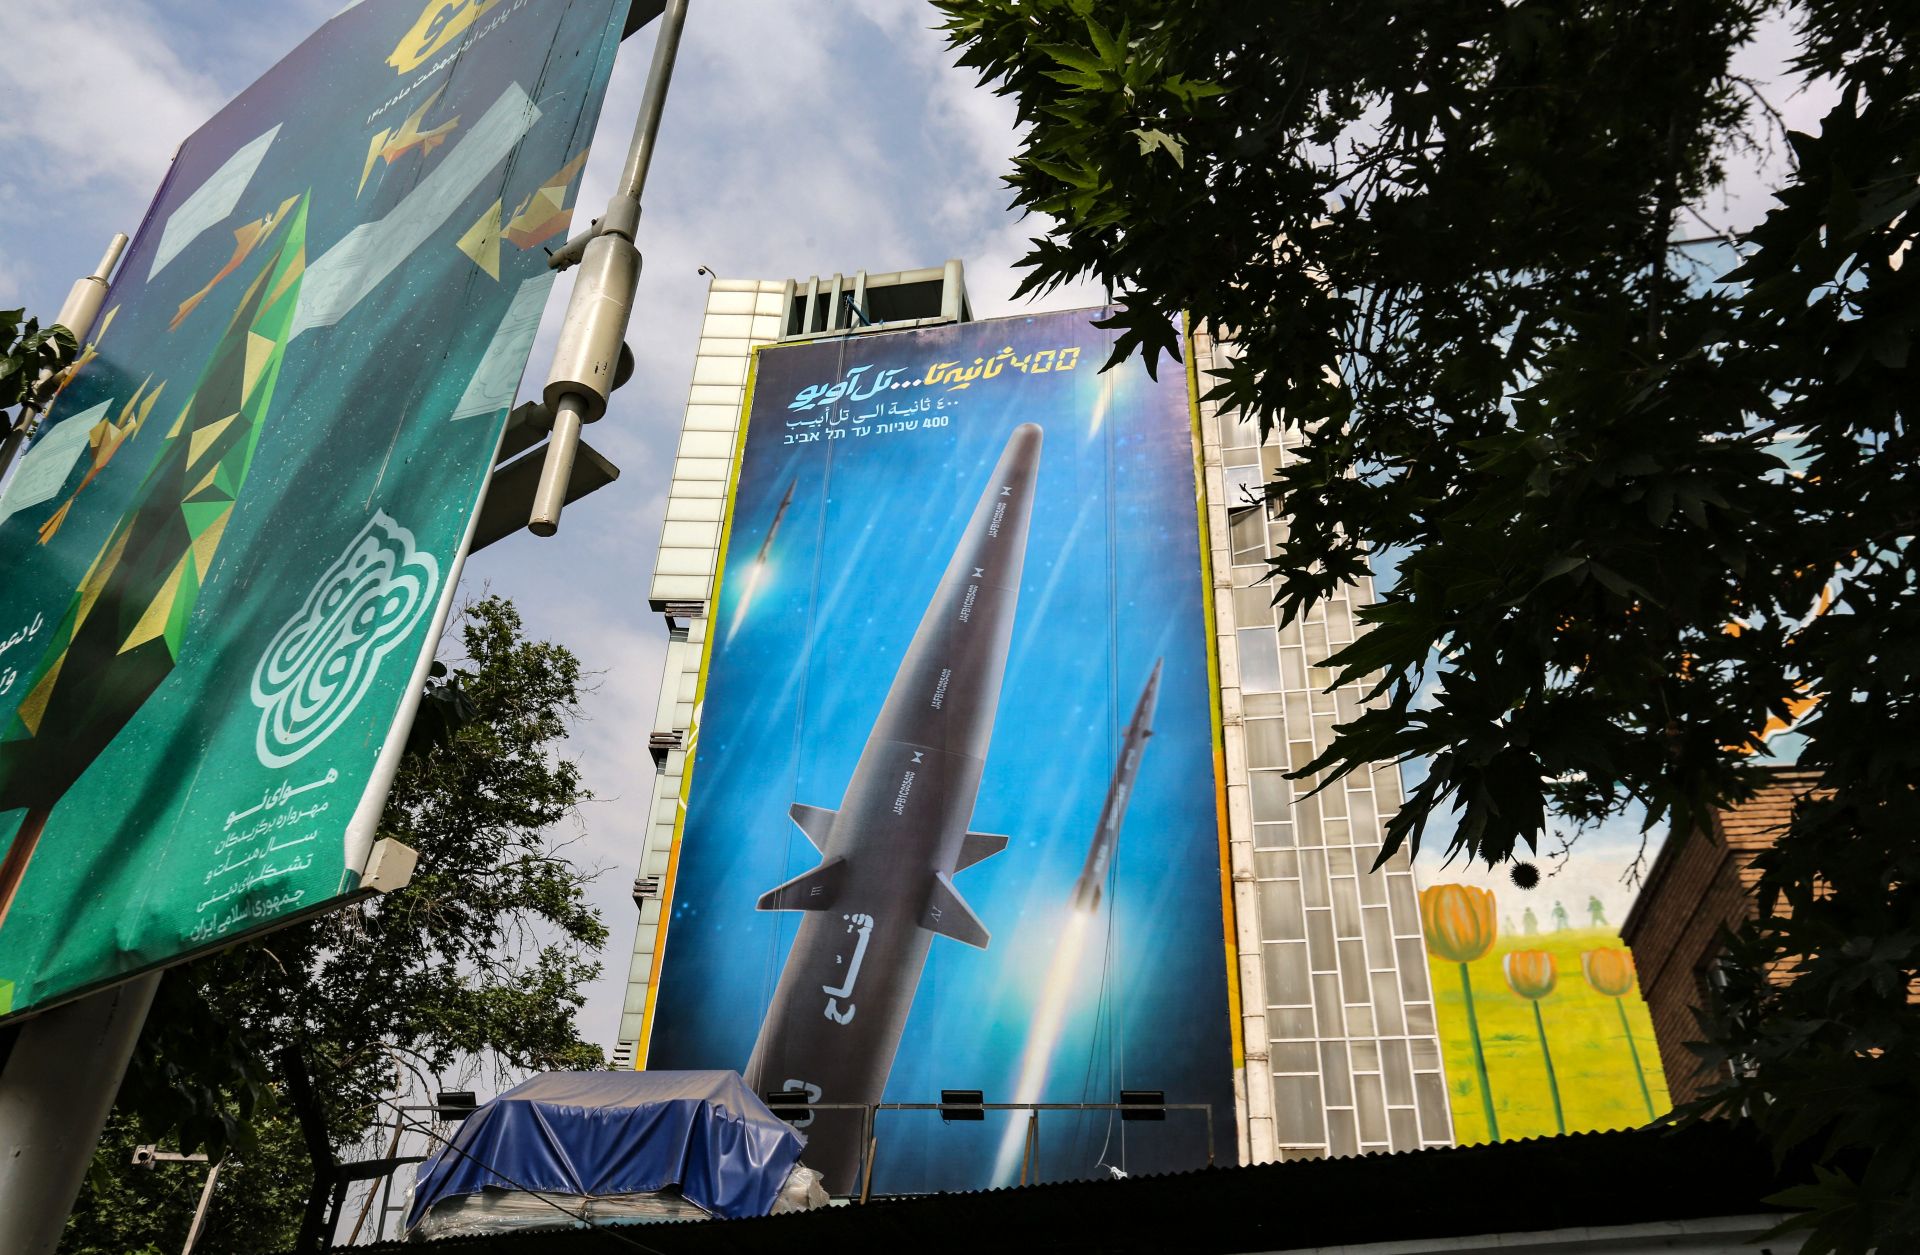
point(200, 1212)
point(82, 306)
point(55, 1094)
point(587, 356)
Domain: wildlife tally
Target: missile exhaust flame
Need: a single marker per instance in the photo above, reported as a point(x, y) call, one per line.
point(1051, 1013)
point(1043, 1035)
point(754, 574)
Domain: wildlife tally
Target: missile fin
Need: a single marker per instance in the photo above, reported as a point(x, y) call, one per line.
point(812, 890)
point(949, 915)
point(815, 821)
point(977, 847)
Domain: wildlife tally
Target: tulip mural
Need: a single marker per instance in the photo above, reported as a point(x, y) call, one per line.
point(1610, 974)
point(1458, 920)
point(1507, 1078)
point(1531, 974)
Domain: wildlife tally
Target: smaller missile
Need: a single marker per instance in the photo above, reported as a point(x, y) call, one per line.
point(773, 528)
point(757, 569)
point(1106, 835)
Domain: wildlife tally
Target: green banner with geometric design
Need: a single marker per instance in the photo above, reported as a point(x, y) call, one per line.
point(229, 551)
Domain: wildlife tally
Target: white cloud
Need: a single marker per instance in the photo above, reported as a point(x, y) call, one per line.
point(79, 70)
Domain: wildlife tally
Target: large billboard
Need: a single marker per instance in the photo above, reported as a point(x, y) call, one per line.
point(952, 817)
point(228, 553)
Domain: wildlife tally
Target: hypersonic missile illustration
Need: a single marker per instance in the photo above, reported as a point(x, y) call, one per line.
point(884, 885)
point(1056, 994)
point(757, 569)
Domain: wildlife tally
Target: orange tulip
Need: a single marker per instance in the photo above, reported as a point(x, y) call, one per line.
point(1531, 973)
point(1610, 972)
point(1459, 921)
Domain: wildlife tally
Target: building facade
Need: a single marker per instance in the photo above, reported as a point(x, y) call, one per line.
point(1342, 1051)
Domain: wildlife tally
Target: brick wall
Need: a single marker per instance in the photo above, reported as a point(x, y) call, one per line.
point(1699, 884)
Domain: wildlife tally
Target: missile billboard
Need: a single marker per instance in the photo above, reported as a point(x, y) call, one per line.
point(952, 817)
point(231, 547)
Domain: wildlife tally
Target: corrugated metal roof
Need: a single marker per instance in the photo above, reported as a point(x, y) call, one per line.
point(1635, 1177)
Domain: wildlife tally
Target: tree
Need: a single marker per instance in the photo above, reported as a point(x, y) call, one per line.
point(1621, 469)
point(31, 359)
point(280, 1050)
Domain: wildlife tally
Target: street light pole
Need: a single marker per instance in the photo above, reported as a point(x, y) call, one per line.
point(82, 306)
point(587, 358)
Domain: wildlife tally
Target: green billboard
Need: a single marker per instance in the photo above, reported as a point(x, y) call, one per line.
point(229, 552)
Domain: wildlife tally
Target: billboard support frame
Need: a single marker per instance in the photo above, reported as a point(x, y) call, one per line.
point(56, 1092)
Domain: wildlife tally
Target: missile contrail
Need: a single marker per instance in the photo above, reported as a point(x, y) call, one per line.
point(1056, 994)
point(884, 885)
point(758, 567)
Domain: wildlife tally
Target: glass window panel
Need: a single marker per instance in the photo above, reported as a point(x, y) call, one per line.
point(1373, 1110)
point(1360, 810)
point(1393, 1057)
point(1340, 861)
point(1431, 1097)
point(1306, 820)
point(1346, 908)
point(1297, 718)
point(1360, 1020)
point(1290, 1021)
point(1286, 971)
point(1379, 936)
point(1341, 1139)
point(1272, 836)
point(1293, 668)
point(1346, 704)
point(1259, 668)
point(1404, 1129)
point(1241, 457)
point(1335, 829)
point(1373, 885)
point(1266, 742)
point(1326, 1004)
point(1413, 969)
point(1277, 864)
point(1353, 971)
point(1253, 606)
point(1426, 1054)
point(1280, 917)
point(1366, 1056)
point(1269, 794)
point(1387, 1006)
point(1313, 874)
point(1295, 1056)
point(1333, 803)
point(1320, 939)
point(1334, 1071)
point(1262, 705)
point(1297, 1111)
point(1322, 704)
point(1248, 529)
point(1420, 1018)
point(1243, 486)
point(1406, 915)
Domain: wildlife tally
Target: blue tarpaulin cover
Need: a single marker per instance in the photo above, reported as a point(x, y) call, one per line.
point(599, 1133)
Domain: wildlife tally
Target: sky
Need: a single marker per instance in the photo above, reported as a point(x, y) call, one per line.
point(801, 137)
point(838, 137)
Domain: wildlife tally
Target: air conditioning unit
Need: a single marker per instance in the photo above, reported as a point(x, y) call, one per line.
point(646, 889)
point(622, 1056)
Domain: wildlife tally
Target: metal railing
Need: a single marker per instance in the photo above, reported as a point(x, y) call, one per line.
point(1029, 1160)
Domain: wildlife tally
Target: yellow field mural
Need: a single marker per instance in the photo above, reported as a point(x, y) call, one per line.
point(1541, 1021)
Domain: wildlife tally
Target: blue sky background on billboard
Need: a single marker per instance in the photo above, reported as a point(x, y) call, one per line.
point(1111, 583)
point(804, 136)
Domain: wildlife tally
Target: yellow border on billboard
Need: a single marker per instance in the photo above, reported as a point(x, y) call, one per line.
point(1213, 694)
point(645, 1045)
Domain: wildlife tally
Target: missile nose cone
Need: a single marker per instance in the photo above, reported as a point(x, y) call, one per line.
point(1023, 446)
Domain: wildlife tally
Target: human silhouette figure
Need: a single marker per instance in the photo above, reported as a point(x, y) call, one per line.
point(1596, 913)
point(1529, 923)
point(1506, 924)
point(1560, 920)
